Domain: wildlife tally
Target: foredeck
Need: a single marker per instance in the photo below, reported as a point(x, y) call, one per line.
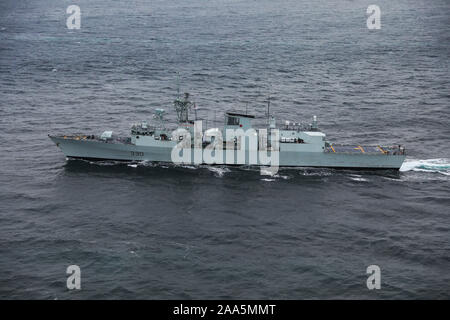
point(83, 137)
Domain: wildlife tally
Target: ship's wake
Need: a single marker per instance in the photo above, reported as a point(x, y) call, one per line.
point(441, 166)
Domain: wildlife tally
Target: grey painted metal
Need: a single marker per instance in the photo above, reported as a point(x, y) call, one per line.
point(297, 148)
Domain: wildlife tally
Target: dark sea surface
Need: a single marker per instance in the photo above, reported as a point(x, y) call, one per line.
point(151, 231)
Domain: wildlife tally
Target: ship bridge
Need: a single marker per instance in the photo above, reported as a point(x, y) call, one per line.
point(238, 120)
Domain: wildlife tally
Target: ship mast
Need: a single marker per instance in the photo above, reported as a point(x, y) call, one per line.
point(182, 106)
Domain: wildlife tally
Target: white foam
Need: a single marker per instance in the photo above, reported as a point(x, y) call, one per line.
point(440, 165)
point(218, 171)
point(357, 179)
point(316, 172)
point(189, 167)
point(269, 171)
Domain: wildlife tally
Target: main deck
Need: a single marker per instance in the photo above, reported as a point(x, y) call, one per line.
point(352, 149)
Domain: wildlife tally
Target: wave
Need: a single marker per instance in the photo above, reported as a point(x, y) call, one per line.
point(357, 177)
point(441, 166)
point(218, 171)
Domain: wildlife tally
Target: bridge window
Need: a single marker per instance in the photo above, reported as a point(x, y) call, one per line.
point(233, 121)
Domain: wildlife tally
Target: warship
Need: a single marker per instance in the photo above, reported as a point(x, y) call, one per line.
point(293, 143)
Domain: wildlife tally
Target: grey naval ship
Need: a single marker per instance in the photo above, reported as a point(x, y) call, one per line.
point(298, 145)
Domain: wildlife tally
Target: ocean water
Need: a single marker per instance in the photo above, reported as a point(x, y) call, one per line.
point(174, 232)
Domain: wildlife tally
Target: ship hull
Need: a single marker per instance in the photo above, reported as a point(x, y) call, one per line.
point(99, 150)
